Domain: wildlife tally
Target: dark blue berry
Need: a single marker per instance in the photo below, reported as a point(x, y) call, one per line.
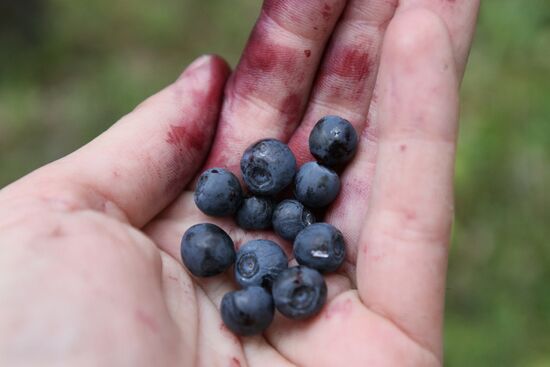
point(320, 246)
point(218, 192)
point(255, 213)
point(206, 250)
point(259, 262)
point(316, 186)
point(268, 166)
point(290, 217)
point(248, 311)
point(333, 140)
point(299, 292)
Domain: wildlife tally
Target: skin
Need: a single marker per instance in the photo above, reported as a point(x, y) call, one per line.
point(89, 245)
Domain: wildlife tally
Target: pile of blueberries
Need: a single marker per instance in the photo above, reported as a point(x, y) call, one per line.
point(261, 266)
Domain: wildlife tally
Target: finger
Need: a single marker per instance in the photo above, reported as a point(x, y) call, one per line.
point(345, 80)
point(345, 87)
point(139, 165)
point(403, 248)
point(460, 18)
point(266, 95)
point(349, 211)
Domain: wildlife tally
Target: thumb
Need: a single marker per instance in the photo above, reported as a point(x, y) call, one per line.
point(141, 163)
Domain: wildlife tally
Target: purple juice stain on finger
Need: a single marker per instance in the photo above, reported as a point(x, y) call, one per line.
point(273, 6)
point(186, 136)
point(326, 12)
point(263, 54)
point(262, 64)
point(291, 108)
point(192, 134)
point(344, 74)
point(260, 53)
point(350, 62)
point(300, 147)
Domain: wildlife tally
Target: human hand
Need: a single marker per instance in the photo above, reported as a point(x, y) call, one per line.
point(89, 245)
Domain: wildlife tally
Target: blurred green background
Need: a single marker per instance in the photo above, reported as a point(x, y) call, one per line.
point(69, 69)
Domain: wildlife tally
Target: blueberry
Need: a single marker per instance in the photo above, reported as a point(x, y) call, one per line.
point(299, 292)
point(248, 311)
point(268, 166)
point(316, 186)
point(333, 140)
point(259, 262)
point(218, 192)
point(290, 217)
point(206, 250)
point(320, 246)
point(255, 213)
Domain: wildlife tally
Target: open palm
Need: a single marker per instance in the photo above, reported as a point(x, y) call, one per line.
point(89, 245)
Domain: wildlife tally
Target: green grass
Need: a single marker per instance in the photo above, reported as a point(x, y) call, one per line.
point(81, 66)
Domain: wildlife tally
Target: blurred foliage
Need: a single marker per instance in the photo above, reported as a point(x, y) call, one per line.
point(498, 298)
point(68, 69)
